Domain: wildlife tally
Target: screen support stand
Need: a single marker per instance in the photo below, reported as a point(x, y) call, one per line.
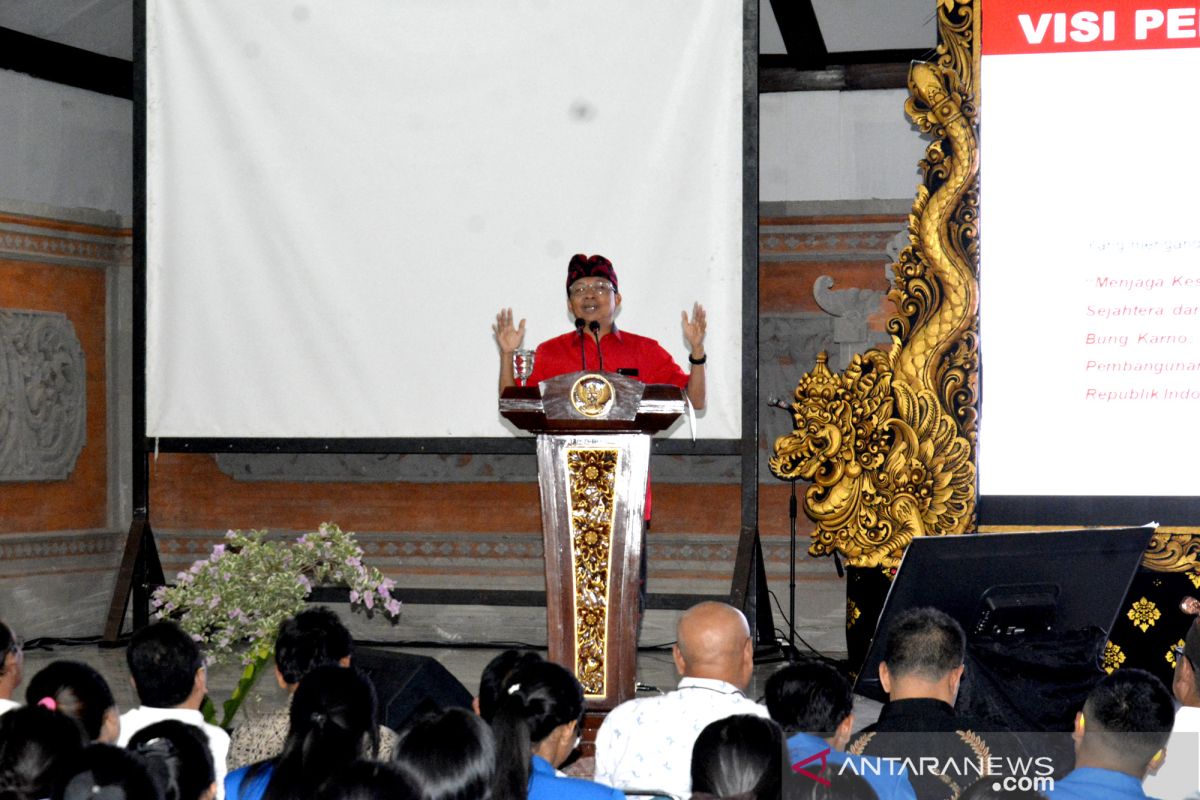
point(140, 571)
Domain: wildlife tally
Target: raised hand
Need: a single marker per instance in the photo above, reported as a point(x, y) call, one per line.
point(507, 336)
point(693, 329)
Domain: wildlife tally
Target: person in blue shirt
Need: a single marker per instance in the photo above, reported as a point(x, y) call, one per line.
point(536, 726)
point(814, 705)
point(331, 724)
point(1120, 737)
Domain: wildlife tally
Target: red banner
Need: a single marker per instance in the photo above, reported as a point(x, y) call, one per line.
point(1076, 26)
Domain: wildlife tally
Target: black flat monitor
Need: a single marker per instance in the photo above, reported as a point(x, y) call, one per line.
point(1012, 586)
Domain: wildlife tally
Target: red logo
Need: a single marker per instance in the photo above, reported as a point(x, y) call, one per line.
point(819, 775)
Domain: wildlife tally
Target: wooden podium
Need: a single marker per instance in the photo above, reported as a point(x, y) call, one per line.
point(593, 443)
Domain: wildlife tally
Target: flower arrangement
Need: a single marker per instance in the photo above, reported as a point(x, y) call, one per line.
point(234, 601)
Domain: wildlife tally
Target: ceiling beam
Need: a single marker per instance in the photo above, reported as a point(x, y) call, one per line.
point(61, 63)
point(801, 33)
point(850, 71)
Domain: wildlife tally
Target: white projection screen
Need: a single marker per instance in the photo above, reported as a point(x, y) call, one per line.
point(1090, 256)
point(341, 194)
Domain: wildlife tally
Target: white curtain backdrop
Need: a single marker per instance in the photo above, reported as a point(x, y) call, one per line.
point(342, 193)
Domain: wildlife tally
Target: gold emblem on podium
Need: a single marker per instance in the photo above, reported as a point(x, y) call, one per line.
point(592, 395)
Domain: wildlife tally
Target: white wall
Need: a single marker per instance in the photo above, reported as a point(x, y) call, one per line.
point(837, 146)
point(65, 147)
point(71, 148)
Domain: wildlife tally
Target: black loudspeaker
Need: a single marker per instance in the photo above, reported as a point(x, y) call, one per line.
point(407, 685)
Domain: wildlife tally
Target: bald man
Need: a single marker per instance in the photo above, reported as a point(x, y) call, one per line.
point(647, 743)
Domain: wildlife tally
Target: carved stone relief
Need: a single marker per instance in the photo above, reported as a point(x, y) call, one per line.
point(43, 405)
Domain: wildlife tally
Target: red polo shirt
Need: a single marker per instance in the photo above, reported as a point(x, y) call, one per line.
point(622, 351)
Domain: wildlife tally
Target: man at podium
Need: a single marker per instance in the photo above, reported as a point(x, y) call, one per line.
point(597, 345)
point(593, 300)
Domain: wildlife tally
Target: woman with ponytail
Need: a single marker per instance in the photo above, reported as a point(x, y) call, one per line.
point(331, 723)
point(77, 690)
point(536, 728)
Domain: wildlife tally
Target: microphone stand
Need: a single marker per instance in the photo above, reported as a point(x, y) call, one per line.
point(594, 327)
point(579, 323)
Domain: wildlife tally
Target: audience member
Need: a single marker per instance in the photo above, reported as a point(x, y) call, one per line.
point(1180, 774)
point(332, 722)
point(367, 780)
point(106, 772)
point(171, 682)
point(739, 756)
point(11, 663)
point(37, 749)
point(448, 755)
point(537, 728)
point(836, 786)
point(921, 671)
point(646, 743)
point(815, 706)
point(1120, 736)
point(178, 757)
point(313, 638)
point(80, 692)
point(988, 789)
point(493, 683)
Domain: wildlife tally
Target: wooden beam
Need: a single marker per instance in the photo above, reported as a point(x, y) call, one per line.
point(846, 78)
point(801, 33)
point(60, 63)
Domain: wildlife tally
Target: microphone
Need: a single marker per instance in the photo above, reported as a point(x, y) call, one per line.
point(594, 327)
point(579, 323)
point(775, 402)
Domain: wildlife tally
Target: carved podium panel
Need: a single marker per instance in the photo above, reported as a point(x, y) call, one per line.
point(593, 441)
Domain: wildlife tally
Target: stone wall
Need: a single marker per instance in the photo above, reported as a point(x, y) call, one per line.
point(62, 276)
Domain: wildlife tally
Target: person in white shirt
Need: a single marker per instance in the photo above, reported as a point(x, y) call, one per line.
point(647, 743)
point(170, 681)
point(11, 663)
point(1179, 776)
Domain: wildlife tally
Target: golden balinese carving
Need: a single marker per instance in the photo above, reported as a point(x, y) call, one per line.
point(889, 444)
point(1174, 551)
point(590, 480)
point(1113, 657)
point(1143, 614)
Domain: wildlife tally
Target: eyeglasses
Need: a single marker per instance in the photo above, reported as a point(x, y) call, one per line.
point(1178, 650)
point(580, 289)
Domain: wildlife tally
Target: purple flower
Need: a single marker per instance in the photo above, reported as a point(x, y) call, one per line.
point(217, 552)
point(392, 607)
point(369, 600)
point(214, 602)
point(305, 582)
point(354, 595)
